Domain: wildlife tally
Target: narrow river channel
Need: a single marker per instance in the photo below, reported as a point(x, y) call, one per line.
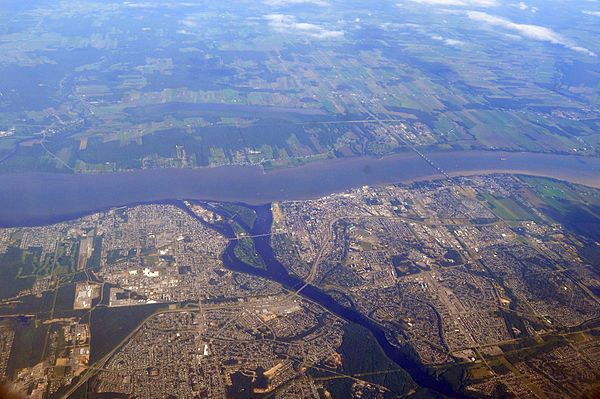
point(275, 271)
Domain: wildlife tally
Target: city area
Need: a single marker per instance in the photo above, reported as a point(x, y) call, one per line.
point(479, 280)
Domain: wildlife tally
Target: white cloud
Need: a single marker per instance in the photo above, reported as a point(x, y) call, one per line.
point(396, 26)
point(447, 41)
point(535, 32)
point(390, 26)
point(283, 3)
point(157, 5)
point(188, 22)
point(459, 3)
point(524, 7)
point(287, 23)
point(594, 13)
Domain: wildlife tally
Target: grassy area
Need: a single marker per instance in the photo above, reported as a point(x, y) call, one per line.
point(94, 260)
point(28, 344)
point(575, 207)
point(109, 326)
point(553, 193)
point(243, 215)
point(369, 359)
point(507, 208)
point(16, 272)
point(246, 252)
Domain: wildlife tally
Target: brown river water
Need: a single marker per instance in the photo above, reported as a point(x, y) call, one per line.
point(41, 198)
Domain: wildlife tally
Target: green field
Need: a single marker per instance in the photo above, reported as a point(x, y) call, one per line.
point(507, 208)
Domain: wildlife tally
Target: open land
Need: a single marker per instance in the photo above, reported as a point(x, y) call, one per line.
point(88, 87)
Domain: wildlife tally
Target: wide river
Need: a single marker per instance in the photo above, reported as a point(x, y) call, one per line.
point(41, 198)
